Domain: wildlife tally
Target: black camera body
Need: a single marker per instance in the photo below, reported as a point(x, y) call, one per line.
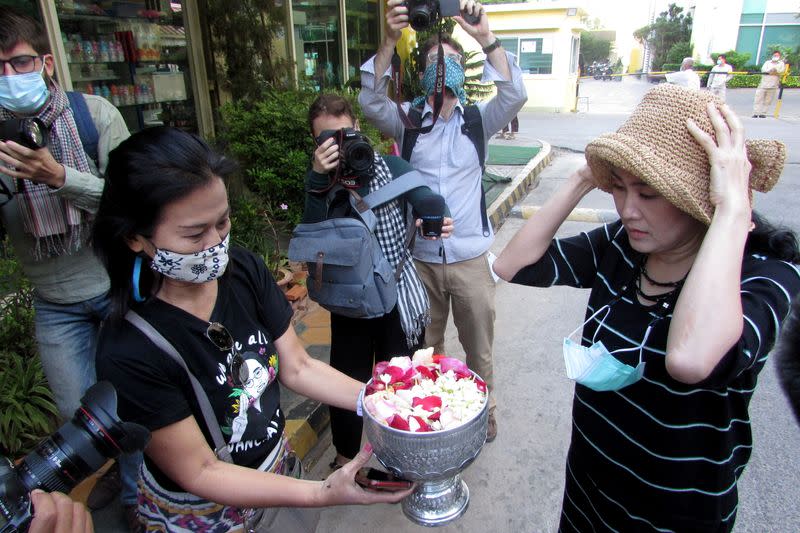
point(30, 132)
point(357, 157)
point(74, 452)
point(424, 14)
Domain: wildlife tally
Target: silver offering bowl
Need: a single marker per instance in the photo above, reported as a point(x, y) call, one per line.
point(434, 460)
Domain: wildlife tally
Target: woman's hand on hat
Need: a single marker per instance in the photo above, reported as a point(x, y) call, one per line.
point(340, 488)
point(730, 169)
point(586, 178)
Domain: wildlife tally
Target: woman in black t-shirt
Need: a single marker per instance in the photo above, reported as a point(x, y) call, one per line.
point(163, 231)
point(688, 290)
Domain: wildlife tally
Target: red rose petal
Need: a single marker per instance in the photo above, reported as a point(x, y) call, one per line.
point(380, 368)
point(429, 403)
point(423, 425)
point(426, 372)
point(398, 422)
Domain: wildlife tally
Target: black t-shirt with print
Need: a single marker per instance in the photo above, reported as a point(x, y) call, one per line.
point(154, 391)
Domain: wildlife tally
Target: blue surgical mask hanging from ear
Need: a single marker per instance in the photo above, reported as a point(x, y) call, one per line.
point(597, 368)
point(24, 94)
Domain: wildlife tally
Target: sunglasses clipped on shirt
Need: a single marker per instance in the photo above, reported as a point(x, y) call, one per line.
point(223, 340)
point(21, 64)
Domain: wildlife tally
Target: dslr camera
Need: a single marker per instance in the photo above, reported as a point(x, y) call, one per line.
point(357, 154)
point(74, 452)
point(30, 132)
point(424, 14)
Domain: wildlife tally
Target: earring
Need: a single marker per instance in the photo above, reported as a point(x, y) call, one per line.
point(137, 271)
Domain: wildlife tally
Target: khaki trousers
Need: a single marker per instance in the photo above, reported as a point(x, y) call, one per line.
point(763, 100)
point(468, 287)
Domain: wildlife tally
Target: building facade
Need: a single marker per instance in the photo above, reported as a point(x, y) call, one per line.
point(747, 26)
point(149, 57)
point(545, 37)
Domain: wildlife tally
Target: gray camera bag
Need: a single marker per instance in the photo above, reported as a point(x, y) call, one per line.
point(348, 273)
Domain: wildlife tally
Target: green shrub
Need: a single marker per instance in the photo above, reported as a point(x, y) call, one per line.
point(670, 67)
point(738, 60)
point(27, 411)
point(678, 51)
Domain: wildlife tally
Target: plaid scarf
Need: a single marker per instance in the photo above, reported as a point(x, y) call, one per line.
point(412, 298)
point(58, 227)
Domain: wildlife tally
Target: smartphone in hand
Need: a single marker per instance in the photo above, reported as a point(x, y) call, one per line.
point(372, 478)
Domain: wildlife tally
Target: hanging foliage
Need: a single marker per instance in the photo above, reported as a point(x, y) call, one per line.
point(243, 36)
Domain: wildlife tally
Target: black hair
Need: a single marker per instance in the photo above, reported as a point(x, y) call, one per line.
point(145, 173)
point(16, 28)
point(773, 241)
point(787, 357)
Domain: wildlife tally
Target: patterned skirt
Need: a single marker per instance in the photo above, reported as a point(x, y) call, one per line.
point(181, 512)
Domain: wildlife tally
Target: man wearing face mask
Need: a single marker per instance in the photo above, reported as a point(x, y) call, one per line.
point(357, 343)
point(772, 71)
point(456, 271)
point(49, 197)
point(719, 76)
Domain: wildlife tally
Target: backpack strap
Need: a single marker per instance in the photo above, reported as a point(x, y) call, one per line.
point(473, 128)
point(90, 138)
point(397, 187)
point(410, 135)
point(202, 398)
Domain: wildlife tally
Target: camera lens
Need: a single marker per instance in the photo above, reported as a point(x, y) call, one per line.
point(82, 445)
point(421, 18)
point(359, 156)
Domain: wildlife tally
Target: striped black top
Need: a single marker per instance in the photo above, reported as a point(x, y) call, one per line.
point(658, 455)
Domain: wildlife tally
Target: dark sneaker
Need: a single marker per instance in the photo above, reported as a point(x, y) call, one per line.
point(135, 524)
point(106, 489)
point(491, 430)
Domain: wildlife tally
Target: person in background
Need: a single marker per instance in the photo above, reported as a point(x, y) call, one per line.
point(686, 76)
point(163, 233)
point(53, 193)
point(688, 291)
point(513, 126)
point(455, 271)
point(772, 70)
point(357, 343)
point(719, 76)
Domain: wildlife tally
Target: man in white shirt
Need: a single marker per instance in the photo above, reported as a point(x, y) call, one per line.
point(686, 77)
point(768, 87)
point(719, 76)
point(456, 270)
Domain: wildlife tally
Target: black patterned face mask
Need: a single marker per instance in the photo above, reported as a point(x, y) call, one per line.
point(198, 267)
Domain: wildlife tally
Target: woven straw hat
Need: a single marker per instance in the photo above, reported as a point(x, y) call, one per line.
point(655, 145)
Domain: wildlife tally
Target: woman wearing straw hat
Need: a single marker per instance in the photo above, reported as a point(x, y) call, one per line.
point(688, 290)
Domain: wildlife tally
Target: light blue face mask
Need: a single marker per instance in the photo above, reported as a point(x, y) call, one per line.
point(24, 94)
point(597, 368)
point(453, 80)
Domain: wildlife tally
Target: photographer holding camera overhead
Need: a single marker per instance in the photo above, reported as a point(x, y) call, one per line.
point(49, 191)
point(344, 165)
point(445, 140)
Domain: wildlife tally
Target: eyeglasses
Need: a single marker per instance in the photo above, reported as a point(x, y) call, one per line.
point(21, 64)
point(433, 57)
point(223, 340)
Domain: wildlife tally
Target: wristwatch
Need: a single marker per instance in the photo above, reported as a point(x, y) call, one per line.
point(492, 47)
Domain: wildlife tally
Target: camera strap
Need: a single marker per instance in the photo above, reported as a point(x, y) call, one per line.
point(438, 89)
